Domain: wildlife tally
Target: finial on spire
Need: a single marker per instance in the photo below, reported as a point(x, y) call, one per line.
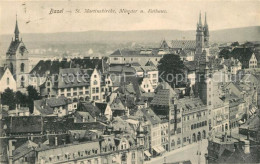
point(16, 31)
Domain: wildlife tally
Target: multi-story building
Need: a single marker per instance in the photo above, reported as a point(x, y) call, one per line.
point(194, 119)
point(75, 84)
point(164, 106)
point(153, 126)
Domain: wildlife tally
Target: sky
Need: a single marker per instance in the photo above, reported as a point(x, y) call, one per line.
point(34, 17)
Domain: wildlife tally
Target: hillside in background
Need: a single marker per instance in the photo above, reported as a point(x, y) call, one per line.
point(226, 35)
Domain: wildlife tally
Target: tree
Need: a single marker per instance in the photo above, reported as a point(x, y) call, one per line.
point(8, 98)
point(32, 95)
point(20, 98)
point(225, 53)
point(235, 44)
point(171, 70)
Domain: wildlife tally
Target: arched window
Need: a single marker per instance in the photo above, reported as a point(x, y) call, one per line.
point(22, 67)
point(8, 81)
point(22, 82)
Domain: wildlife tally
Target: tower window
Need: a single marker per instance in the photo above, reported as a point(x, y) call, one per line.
point(8, 81)
point(22, 67)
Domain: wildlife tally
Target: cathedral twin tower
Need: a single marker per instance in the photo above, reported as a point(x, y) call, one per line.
point(202, 40)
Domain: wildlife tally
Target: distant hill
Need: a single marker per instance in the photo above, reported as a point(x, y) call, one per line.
point(225, 35)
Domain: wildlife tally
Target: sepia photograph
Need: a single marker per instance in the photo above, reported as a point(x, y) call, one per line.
point(129, 81)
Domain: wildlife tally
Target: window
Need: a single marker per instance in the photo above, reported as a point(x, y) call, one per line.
point(22, 67)
point(22, 82)
point(48, 84)
point(95, 82)
point(133, 155)
point(8, 81)
point(97, 90)
point(115, 58)
point(48, 90)
point(93, 90)
point(154, 75)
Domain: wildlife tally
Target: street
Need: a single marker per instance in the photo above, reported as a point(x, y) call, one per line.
point(188, 152)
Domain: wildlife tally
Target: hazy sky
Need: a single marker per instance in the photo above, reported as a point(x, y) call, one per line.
point(34, 17)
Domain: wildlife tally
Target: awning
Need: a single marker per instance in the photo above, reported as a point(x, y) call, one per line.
point(157, 150)
point(161, 149)
point(147, 153)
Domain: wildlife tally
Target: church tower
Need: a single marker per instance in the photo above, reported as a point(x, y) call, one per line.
point(202, 42)
point(206, 32)
point(199, 37)
point(17, 60)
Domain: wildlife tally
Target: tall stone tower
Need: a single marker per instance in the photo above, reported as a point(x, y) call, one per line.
point(17, 60)
point(199, 37)
point(202, 42)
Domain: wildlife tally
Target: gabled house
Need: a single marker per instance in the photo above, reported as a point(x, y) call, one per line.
point(246, 56)
point(6, 80)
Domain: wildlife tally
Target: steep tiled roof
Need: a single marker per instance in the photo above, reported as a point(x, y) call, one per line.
point(53, 67)
point(190, 104)
point(45, 106)
point(162, 97)
point(13, 47)
point(242, 54)
point(184, 44)
point(164, 44)
point(24, 149)
point(149, 115)
point(90, 108)
point(165, 85)
point(101, 106)
point(24, 124)
point(150, 63)
point(117, 104)
point(2, 71)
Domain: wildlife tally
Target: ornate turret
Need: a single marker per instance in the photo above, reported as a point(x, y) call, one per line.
point(16, 31)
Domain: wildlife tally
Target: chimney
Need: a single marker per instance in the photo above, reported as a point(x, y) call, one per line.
point(56, 141)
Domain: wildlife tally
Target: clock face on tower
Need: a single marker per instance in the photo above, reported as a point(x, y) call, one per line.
point(22, 50)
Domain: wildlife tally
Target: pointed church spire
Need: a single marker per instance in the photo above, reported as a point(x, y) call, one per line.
point(16, 31)
point(206, 19)
point(200, 19)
